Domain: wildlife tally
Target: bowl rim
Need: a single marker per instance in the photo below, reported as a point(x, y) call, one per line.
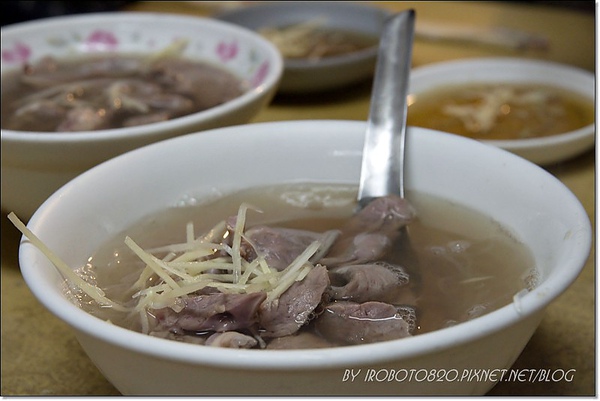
point(340, 357)
point(271, 80)
point(425, 70)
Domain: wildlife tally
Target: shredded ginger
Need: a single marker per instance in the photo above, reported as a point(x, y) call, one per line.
point(189, 267)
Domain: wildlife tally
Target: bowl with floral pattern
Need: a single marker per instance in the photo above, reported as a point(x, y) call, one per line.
point(217, 74)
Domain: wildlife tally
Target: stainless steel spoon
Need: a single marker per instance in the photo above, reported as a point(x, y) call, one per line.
point(382, 171)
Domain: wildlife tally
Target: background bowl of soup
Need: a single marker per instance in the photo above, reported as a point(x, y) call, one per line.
point(326, 45)
point(153, 76)
point(540, 110)
point(508, 196)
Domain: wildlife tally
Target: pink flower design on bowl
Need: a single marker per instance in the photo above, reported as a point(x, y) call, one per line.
point(100, 40)
point(260, 74)
point(227, 51)
point(19, 53)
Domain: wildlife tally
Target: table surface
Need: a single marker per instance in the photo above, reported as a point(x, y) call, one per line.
point(40, 355)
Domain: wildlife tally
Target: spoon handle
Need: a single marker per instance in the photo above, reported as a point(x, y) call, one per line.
point(383, 152)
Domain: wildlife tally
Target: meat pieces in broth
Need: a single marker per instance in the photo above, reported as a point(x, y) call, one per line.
point(113, 91)
point(316, 302)
point(309, 272)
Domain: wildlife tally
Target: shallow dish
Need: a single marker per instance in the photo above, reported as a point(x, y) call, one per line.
point(35, 164)
point(304, 76)
point(533, 205)
point(541, 150)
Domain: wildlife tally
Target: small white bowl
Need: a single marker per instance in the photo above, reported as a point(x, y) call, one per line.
point(525, 199)
point(35, 164)
point(543, 150)
point(304, 76)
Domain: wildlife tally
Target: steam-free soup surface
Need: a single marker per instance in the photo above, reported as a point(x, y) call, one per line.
point(465, 264)
point(111, 91)
point(500, 111)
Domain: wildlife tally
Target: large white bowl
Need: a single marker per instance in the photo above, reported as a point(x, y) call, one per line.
point(543, 150)
point(532, 204)
point(35, 164)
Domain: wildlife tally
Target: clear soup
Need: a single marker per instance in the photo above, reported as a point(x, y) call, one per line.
point(464, 263)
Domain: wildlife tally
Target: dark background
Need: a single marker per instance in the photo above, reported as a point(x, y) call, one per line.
point(19, 11)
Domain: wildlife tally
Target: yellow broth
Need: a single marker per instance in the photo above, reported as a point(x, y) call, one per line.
point(500, 111)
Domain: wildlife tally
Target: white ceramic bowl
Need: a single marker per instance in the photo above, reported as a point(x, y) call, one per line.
point(304, 76)
point(521, 196)
point(36, 164)
point(544, 150)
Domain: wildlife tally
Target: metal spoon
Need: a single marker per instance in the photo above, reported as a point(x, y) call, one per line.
point(382, 171)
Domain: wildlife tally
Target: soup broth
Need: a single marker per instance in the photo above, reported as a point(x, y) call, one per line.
point(111, 91)
point(464, 264)
point(500, 111)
